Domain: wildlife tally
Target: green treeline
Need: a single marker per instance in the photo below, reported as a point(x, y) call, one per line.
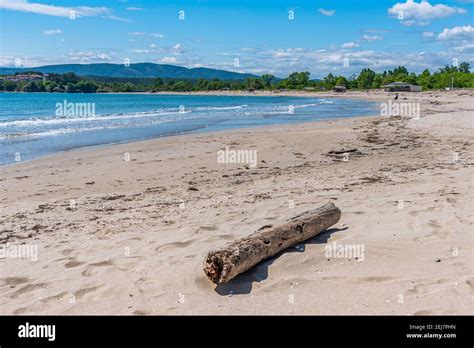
point(459, 77)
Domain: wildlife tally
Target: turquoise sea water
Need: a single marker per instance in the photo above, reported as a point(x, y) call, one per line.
point(38, 124)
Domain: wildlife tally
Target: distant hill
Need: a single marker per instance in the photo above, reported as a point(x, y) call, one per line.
point(139, 70)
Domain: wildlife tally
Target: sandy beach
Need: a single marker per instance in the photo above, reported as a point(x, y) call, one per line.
point(124, 229)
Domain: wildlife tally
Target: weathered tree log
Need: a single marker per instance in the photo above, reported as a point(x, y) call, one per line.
point(224, 264)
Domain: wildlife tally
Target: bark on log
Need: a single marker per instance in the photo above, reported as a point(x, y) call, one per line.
point(224, 264)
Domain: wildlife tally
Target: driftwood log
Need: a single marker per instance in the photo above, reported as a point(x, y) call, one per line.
point(224, 264)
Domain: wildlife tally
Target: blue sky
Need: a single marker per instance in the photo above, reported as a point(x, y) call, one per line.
point(338, 36)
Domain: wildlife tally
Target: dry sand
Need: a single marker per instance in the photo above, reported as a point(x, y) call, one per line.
point(129, 237)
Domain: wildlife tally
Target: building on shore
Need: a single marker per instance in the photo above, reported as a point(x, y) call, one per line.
point(24, 77)
point(401, 87)
point(339, 89)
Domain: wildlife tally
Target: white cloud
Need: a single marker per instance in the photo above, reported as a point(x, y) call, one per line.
point(350, 45)
point(134, 9)
point(52, 32)
point(141, 33)
point(412, 22)
point(26, 61)
point(177, 49)
point(366, 37)
point(458, 39)
point(420, 13)
point(143, 51)
point(428, 34)
point(89, 57)
point(464, 48)
point(321, 62)
point(328, 13)
point(168, 60)
point(248, 49)
point(281, 62)
point(457, 33)
point(51, 10)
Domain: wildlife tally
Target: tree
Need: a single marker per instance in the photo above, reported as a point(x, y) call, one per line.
point(182, 86)
point(377, 81)
point(158, 83)
point(254, 83)
point(365, 78)
point(267, 80)
point(50, 85)
point(69, 78)
point(425, 79)
point(448, 69)
point(465, 67)
point(341, 81)
point(9, 86)
point(297, 80)
point(425, 73)
point(329, 81)
point(410, 79)
point(202, 85)
point(215, 85)
point(401, 70)
point(86, 87)
point(70, 88)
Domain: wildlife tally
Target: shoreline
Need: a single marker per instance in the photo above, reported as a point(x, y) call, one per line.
point(185, 133)
point(129, 237)
point(373, 96)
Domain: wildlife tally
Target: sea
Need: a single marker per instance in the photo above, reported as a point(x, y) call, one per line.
point(34, 125)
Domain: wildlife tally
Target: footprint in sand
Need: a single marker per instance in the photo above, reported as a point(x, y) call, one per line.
point(54, 298)
point(470, 282)
point(141, 312)
point(27, 289)
point(175, 245)
point(432, 224)
point(428, 288)
point(208, 228)
point(21, 310)
point(88, 272)
point(73, 263)
point(66, 252)
point(377, 279)
point(149, 286)
point(84, 291)
point(423, 312)
point(204, 283)
point(13, 281)
point(102, 263)
point(220, 237)
point(91, 268)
